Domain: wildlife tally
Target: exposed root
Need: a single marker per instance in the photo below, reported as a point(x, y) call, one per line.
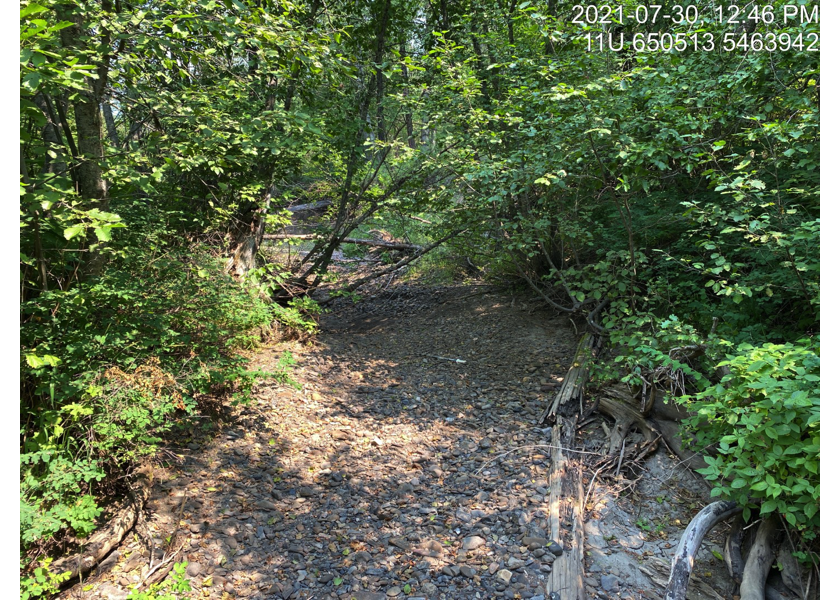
point(760, 560)
point(683, 561)
point(103, 541)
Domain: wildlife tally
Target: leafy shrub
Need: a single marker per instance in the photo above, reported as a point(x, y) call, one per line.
point(764, 420)
point(658, 352)
point(300, 317)
point(169, 589)
point(42, 582)
point(113, 364)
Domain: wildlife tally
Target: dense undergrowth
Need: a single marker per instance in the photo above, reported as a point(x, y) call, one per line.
point(115, 363)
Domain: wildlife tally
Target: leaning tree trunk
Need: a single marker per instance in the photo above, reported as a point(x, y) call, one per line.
point(759, 560)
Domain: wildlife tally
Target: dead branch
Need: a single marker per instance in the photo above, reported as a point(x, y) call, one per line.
point(566, 508)
point(575, 380)
point(408, 259)
point(376, 243)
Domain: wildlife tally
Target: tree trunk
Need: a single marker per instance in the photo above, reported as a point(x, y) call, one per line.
point(91, 185)
point(759, 560)
point(110, 127)
point(52, 138)
point(86, 113)
point(409, 123)
point(249, 236)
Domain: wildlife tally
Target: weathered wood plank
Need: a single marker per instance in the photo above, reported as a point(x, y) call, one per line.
point(575, 381)
point(566, 508)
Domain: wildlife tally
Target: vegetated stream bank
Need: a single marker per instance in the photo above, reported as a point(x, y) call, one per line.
point(410, 462)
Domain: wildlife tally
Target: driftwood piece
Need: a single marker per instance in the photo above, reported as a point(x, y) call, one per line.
point(311, 206)
point(566, 508)
point(575, 381)
point(97, 546)
point(683, 561)
point(159, 572)
point(376, 243)
point(759, 560)
point(698, 588)
point(617, 403)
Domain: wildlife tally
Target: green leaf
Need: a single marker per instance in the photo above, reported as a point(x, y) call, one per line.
point(73, 231)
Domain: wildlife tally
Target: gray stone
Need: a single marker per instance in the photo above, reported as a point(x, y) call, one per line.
point(472, 542)
point(467, 571)
point(515, 563)
point(405, 488)
point(193, 569)
point(399, 543)
point(534, 542)
point(504, 575)
point(393, 592)
point(609, 583)
point(112, 592)
point(555, 548)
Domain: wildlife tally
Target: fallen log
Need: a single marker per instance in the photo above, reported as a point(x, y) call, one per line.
point(311, 206)
point(396, 266)
point(575, 381)
point(791, 571)
point(672, 435)
point(683, 561)
point(98, 545)
point(376, 243)
point(566, 507)
point(759, 560)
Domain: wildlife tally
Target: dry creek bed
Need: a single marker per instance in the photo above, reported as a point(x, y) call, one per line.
point(396, 472)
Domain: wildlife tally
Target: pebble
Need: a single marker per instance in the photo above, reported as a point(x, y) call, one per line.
point(504, 575)
point(472, 542)
point(609, 583)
